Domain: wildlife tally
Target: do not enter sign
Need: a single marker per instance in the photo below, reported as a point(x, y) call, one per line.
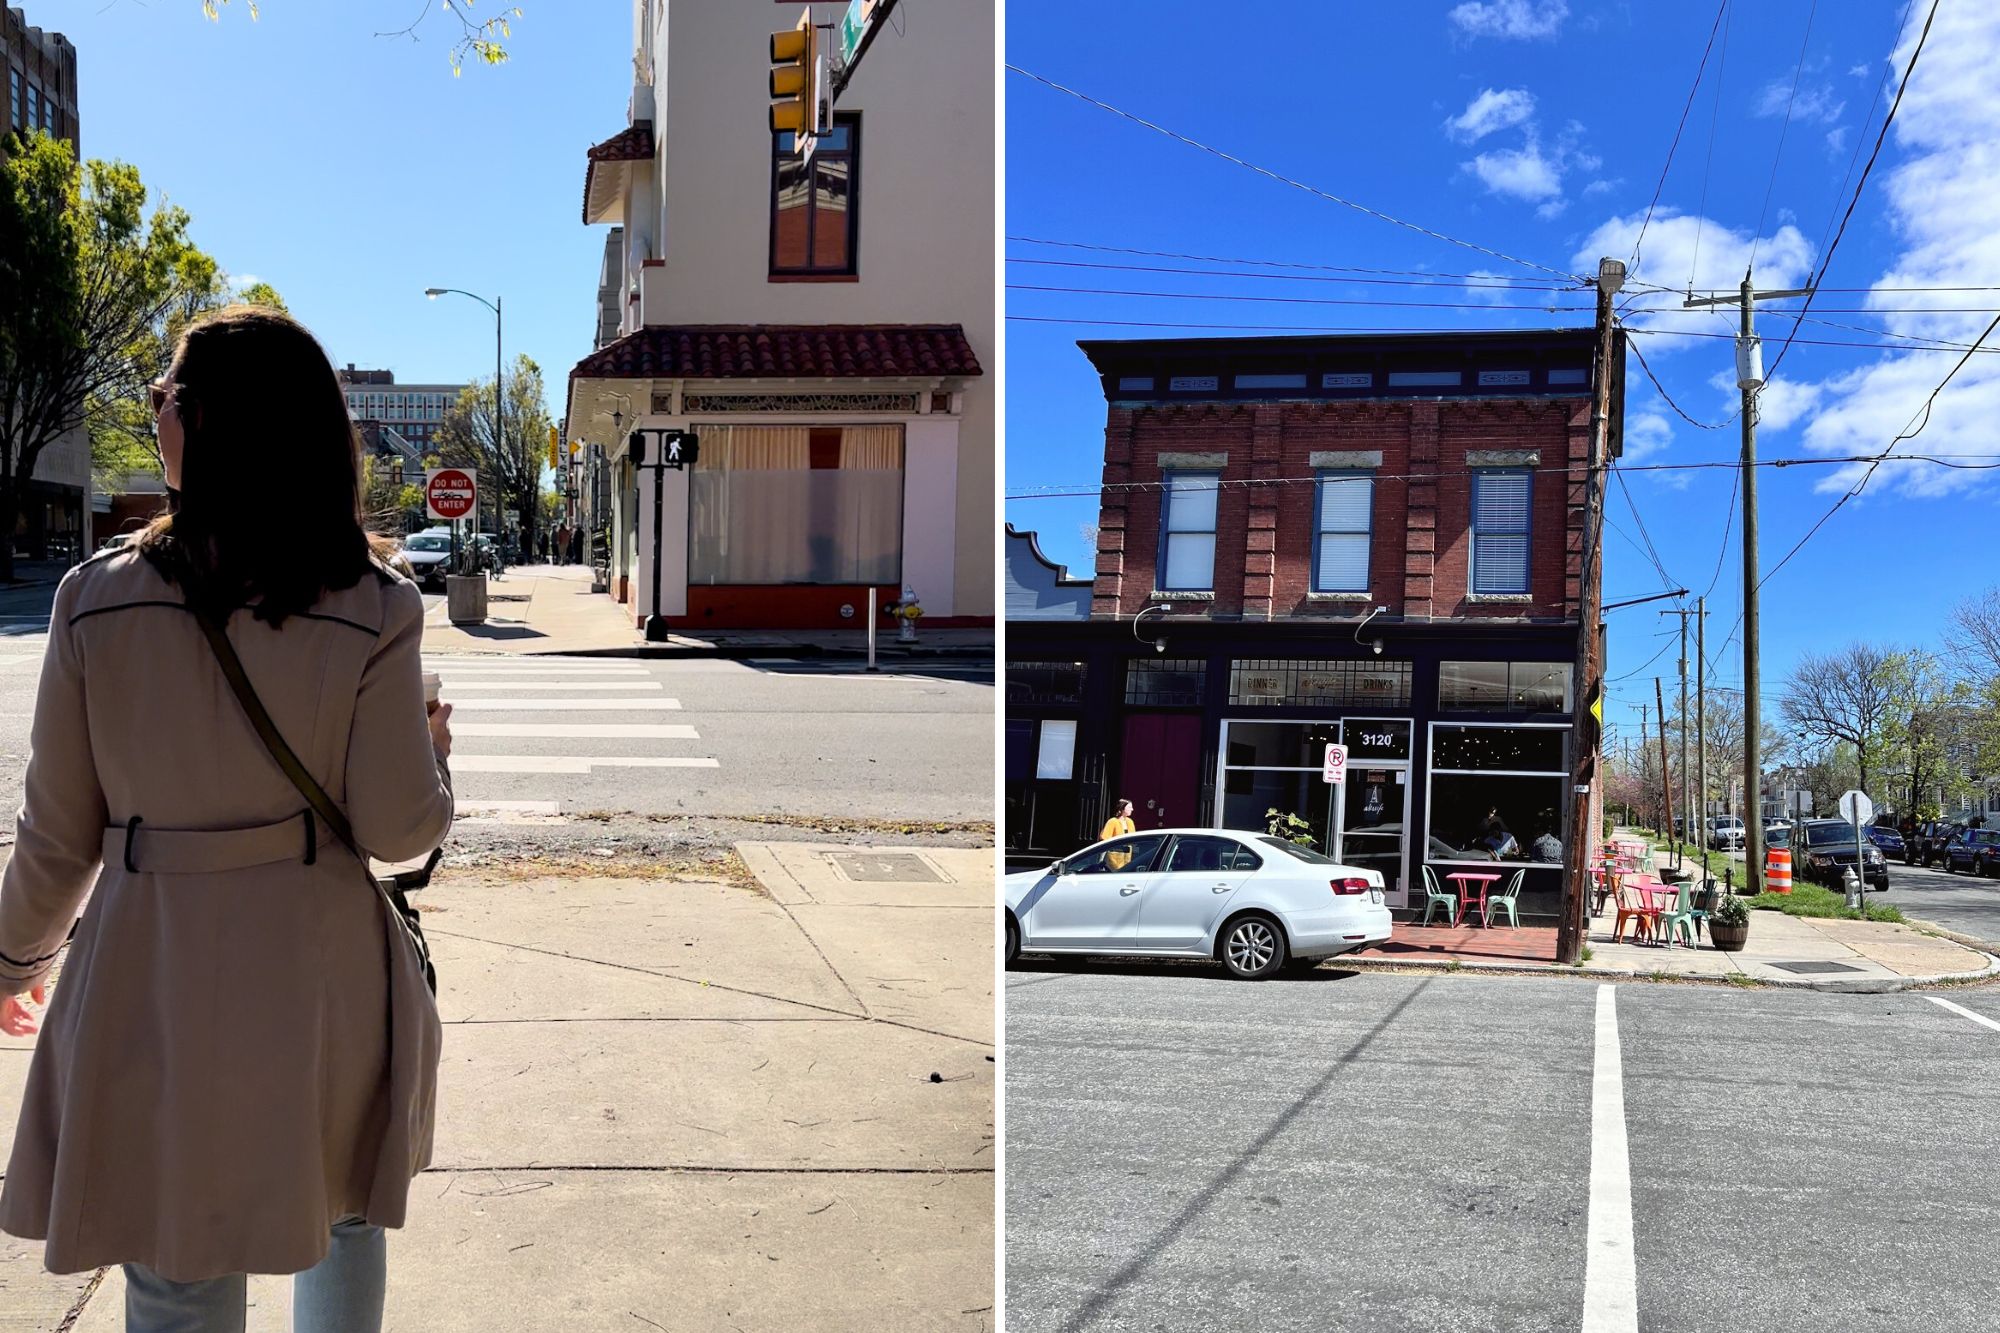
point(450, 492)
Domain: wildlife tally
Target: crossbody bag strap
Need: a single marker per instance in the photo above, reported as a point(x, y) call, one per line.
point(322, 804)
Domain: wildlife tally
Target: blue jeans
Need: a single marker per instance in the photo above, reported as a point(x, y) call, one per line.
point(341, 1294)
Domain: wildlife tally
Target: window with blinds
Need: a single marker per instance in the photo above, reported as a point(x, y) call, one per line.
point(1187, 532)
point(1346, 516)
point(1500, 530)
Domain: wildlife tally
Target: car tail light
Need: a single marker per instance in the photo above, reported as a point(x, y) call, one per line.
point(1344, 888)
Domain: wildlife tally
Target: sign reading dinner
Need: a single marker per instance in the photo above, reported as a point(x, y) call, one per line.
point(450, 492)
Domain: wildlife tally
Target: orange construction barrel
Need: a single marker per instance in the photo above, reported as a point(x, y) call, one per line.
point(1778, 870)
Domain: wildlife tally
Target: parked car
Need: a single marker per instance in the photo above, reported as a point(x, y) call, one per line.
point(1976, 850)
point(428, 555)
point(115, 542)
point(1931, 840)
point(1725, 833)
point(1252, 901)
point(1888, 839)
point(1829, 850)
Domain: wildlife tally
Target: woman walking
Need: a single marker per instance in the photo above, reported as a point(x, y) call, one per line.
point(237, 1073)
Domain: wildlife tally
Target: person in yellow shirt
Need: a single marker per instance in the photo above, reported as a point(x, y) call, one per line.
point(1120, 822)
point(1118, 826)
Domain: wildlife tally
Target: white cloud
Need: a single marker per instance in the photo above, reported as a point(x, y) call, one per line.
point(1859, 71)
point(1813, 102)
point(243, 281)
point(1521, 173)
point(1552, 210)
point(1782, 403)
point(1836, 140)
point(1647, 432)
point(1602, 187)
point(1492, 289)
point(1492, 110)
point(1940, 201)
point(1523, 19)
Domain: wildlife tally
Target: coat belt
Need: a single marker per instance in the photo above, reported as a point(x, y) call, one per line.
point(145, 850)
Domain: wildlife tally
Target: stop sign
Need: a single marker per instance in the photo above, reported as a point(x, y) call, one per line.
point(450, 492)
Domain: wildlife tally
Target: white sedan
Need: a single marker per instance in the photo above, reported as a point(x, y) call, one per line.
point(1251, 900)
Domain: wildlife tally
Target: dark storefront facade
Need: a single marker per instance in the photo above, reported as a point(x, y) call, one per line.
point(1394, 571)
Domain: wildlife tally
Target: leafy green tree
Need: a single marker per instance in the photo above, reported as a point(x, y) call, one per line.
point(88, 276)
point(1925, 738)
point(513, 461)
point(389, 499)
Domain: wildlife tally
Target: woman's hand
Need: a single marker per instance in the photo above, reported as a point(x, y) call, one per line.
point(441, 731)
point(16, 1019)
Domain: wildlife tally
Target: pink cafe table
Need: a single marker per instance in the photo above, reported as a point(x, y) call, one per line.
point(1472, 886)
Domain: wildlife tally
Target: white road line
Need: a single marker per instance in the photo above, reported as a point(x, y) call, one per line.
point(523, 683)
point(1961, 1010)
point(1610, 1273)
point(533, 763)
point(508, 807)
point(566, 705)
point(580, 731)
point(530, 668)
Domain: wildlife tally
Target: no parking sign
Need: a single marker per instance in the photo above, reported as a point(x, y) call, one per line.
point(1335, 771)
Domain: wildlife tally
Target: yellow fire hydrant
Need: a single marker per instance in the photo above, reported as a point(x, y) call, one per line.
point(907, 613)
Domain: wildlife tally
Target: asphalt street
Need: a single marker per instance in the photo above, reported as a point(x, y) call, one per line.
point(1959, 903)
point(1384, 1152)
point(551, 738)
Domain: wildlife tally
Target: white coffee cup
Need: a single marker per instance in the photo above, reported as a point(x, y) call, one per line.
point(433, 682)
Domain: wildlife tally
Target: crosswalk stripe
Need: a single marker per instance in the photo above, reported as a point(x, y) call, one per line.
point(534, 763)
point(529, 669)
point(566, 705)
point(508, 807)
point(562, 731)
point(453, 683)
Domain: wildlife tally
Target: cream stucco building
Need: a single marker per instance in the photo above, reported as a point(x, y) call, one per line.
point(824, 327)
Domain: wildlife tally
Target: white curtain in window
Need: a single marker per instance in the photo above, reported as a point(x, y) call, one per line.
point(760, 513)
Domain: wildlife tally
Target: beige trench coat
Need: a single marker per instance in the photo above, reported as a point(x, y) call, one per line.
point(240, 1048)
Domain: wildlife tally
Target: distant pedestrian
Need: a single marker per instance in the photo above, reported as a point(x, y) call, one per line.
point(1120, 822)
point(238, 1070)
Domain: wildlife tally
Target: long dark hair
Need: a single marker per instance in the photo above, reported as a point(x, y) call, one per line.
point(269, 505)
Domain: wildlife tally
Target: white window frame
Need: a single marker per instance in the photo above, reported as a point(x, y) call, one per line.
point(1341, 477)
point(1526, 534)
point(1167, 533)
point(1431, 772)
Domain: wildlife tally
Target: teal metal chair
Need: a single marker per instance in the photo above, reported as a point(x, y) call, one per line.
point(1681, 915)
point(1507, 899)
point(1435, 897)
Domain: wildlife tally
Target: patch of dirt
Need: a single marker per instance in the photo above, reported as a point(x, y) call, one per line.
point(615, 862)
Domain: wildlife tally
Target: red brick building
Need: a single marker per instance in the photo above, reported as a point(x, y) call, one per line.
point(1371, 540)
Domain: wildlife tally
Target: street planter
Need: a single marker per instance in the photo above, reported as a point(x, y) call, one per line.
point(465, 598)
point(1729, 939)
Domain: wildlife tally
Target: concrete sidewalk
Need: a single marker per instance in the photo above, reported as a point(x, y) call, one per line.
point(1792, 951)
point(686, 1105)
point(551, 609)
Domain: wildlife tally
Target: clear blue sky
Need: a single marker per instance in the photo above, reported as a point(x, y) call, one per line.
point(1540, 129)
point(353, 171)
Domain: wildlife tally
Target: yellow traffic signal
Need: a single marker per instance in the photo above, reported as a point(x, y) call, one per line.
point(795, 79)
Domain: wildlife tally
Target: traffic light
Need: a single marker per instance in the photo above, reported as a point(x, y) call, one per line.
point(795, 79)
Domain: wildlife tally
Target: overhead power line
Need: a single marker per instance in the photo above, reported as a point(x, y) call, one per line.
point(1669, 398)
point(1826, 260)
point(1667, 166)
point(1757, 234)
point(1283, 179)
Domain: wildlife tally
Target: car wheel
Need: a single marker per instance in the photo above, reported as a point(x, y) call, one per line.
point(1253, 947)
point(1013, 941)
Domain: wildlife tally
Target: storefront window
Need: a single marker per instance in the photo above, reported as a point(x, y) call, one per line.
point(1044, 682)
point(1505, 687)
point(1269, 766)
point(1497, 794)
point(796, 504)
point(1297, 681)
point(1166, 683)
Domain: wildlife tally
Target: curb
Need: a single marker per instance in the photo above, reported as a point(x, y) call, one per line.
point(1860, 986)
point(801, 652)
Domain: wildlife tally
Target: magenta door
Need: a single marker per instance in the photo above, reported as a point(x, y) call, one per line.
point(1160, 774)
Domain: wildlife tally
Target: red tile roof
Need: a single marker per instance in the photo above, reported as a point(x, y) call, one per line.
point(783, 351)
point(634, 143)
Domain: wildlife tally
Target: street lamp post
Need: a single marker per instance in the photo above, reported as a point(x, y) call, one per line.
point(499, 393)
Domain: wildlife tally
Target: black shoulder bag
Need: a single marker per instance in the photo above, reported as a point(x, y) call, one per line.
point(392, 889)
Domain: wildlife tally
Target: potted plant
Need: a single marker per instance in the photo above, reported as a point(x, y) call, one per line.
point(1289, 827)
point(1729, 924)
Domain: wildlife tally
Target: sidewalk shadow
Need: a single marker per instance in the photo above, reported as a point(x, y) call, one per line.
point(499, 632)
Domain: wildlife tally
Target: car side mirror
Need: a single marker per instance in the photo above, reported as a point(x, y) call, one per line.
point(1056, 869)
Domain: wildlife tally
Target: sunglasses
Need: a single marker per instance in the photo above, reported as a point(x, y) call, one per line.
point(161, 392)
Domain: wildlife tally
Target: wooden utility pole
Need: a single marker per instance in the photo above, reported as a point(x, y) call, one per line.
point(1750, 381)
point(1701, 720)
point(1573, 926)
point(1666, 774)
